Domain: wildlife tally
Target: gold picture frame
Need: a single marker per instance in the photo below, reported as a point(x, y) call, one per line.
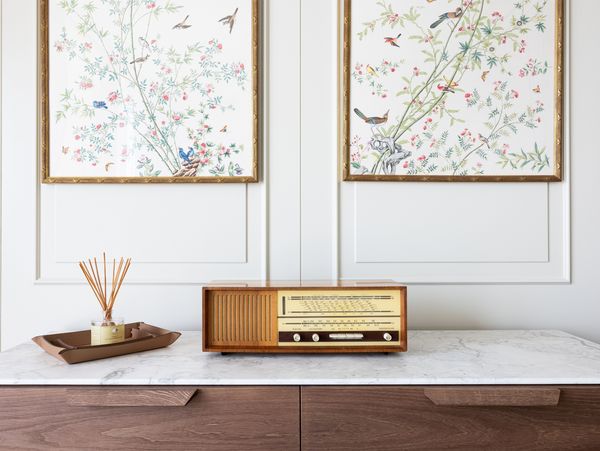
point(345, 64)
point(45, 116)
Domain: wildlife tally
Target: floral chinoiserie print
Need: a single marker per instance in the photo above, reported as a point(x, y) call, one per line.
point(453, 90)
point(149, 90)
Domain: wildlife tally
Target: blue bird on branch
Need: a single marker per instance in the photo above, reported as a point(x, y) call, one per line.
point(185, 156)
point(100, 105)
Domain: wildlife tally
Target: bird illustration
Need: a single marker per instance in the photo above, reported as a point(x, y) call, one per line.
point(100, 105)
point(185, 156)
point(143, 42)
point(183, 24)
point(446, 88)
point(456, 14)
point(224, 129)
point(140, 59)
point(485, 74)
point(230, 20)
point(451, 85)
point(393, 41)
point(372, 71)
point(372, 121)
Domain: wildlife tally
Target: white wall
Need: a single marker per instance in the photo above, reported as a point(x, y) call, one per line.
point(465, 270)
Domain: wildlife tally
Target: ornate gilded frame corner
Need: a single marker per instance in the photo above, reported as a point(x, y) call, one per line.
point(344, 35)
point(44, 113)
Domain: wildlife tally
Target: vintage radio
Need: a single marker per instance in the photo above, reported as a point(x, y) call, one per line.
point(304, 317)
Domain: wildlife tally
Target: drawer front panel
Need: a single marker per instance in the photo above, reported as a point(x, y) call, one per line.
point(215, 418)
point(393, 418)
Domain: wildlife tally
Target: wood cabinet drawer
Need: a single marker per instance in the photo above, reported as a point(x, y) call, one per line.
point(460, 418)
point(214, 418)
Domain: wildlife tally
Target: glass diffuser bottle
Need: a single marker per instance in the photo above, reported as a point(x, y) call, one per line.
point(107, 330)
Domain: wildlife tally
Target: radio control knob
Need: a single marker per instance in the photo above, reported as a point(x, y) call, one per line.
point(297, 337)
point(315, 337)
point(387, 337)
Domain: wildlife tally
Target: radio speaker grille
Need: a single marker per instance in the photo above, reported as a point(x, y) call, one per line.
point(242, 318)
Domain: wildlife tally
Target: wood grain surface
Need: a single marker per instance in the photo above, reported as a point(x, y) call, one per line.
point(493, 396)
point(215, 419)
point(397, 418)
point(129, 397)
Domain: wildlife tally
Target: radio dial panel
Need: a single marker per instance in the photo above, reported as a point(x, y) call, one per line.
point(339, 317)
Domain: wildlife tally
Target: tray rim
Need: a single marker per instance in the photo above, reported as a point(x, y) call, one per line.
point(164, 338)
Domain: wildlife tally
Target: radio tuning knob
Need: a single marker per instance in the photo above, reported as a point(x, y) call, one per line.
point(315, 337)
point(387, 337)
point(297, 337)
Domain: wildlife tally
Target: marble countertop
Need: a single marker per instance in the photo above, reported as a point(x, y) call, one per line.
point(434, 358)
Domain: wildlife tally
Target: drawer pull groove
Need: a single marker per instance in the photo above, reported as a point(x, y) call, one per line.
point(111, 397)
point(494, 396)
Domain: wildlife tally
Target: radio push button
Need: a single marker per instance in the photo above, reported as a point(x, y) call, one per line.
point(315, 337)
point(387, 337)
point(297, 337)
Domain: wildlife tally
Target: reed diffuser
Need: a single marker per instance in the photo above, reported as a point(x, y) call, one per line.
point(108, 330)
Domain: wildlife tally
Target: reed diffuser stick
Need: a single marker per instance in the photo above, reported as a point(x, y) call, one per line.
point(122, 278)
point(89, 279)
point(104, 257)
point(98, 281)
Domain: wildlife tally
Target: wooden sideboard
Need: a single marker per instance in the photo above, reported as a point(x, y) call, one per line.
point(460, 390)
point(369, 418)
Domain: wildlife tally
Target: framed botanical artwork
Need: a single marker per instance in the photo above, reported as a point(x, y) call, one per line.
point(145, 91)
point(452, 90)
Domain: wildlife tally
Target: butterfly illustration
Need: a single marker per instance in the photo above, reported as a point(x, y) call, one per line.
point(537, 89)
point(185, 156)
point(100, 104)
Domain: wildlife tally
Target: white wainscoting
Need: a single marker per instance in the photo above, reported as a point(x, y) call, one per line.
point(497, 233)
point(476, 256)
point(177, 233)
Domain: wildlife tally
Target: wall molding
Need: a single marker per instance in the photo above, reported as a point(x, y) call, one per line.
point(39, 279)
point(559, 272)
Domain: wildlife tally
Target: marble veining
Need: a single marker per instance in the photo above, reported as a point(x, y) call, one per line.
point(434, 358)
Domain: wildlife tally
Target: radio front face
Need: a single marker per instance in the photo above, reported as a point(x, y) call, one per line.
point(304, 319)
point(339, 318)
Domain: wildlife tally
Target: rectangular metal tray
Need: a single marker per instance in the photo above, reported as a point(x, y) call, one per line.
point(75, 347)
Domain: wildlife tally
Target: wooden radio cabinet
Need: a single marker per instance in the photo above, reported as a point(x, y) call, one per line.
point(304, 317)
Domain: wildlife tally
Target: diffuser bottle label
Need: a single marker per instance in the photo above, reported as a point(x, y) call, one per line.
point(104, 335)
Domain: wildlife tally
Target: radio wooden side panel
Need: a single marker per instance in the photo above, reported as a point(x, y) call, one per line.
point(301, 318)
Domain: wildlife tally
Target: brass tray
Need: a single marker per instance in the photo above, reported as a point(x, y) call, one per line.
point(74, 347)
